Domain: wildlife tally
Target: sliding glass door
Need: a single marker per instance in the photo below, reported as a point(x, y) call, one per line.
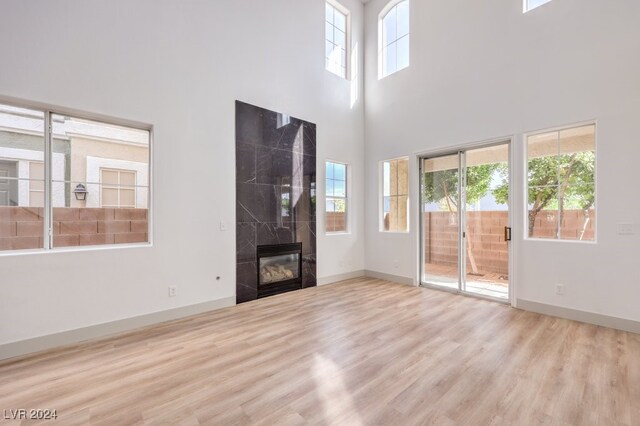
point(465, 221)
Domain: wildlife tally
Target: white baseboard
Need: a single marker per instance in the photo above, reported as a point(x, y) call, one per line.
point(581, 316)
point(389, 277)
point(37, 344)
point(340, 277)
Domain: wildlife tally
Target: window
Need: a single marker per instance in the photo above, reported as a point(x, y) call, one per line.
point(532, 4)
point(336, 197)
point(36, 184)
point(395, 195)
point(336, 38)
point(84, 183)
point(118, 188)
point(561, 171)
point(393, 32)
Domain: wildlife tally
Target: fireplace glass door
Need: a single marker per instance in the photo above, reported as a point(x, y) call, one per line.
point(279, 268)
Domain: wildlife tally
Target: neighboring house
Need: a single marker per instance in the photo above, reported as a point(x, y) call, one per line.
point(111, 162)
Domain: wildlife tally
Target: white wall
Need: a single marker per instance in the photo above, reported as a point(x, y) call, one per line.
point(483, 70)
point(178, 65)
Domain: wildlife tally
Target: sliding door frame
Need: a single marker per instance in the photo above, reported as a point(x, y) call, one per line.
point(460, 151)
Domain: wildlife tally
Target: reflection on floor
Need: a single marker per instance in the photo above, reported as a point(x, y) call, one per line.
point(484, 283)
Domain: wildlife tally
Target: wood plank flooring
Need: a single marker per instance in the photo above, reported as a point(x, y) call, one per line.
point(363, 351)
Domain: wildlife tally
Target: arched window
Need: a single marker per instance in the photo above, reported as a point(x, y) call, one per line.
point(393, 38)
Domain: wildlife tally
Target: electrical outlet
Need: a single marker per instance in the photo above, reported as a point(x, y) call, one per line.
point(223, 225)
point(172, 291)
point(560, 289)
point(625, 229)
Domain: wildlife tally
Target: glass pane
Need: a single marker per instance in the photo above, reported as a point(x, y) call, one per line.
point(403, 18)
point(127, 198)
point(329, 170)
point(577, 213)
point(329, 47)
point(340, 21)
point(393, 177)
point(486, 217)
point(127, 178)
point(403, 176)
point(402, 214)
point(386, 178)
point(389, 59)
point(21, 141)
point(542, 155)
point(109, 177)
point(36, 170)
point(21, 157)
point(328, 32)
point(340, 171)
point(439, 187)
point(403, 52)
point(340, 222)
point(36, 198)
point(36, 185)
point(330, 187)
point(339, 188)
point(543, 208)
point(279, 268)
point(86, 147)
point(331, 207)
point(84, 226)
point(577, 150)
point(390, 218)
point(532, 4)
point(328, 11)
point(389, 30)
point(109, 197)
point(340, 38)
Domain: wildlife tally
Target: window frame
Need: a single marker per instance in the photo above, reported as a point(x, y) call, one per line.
point(346, 198)
point(48, 112)
point(381, 195)
point(347, 14)
point(381, 48)
point(525, 197)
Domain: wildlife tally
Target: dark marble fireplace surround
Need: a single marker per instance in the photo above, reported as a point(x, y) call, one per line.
point(275, 191)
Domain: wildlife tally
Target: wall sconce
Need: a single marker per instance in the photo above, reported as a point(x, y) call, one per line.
point(80, 192)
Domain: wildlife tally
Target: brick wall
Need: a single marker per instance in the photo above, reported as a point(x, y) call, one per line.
point(22, 227)
point(486, 236)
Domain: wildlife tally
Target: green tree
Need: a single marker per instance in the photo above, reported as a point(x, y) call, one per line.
point(556, 182)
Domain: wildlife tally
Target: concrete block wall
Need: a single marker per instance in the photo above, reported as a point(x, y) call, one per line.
point(22, 227)
point(486, 236)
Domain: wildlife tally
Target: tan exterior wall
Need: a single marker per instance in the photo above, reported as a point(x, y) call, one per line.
point(82, 148)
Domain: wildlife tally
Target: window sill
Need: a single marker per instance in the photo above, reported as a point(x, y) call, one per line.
point(27, 252)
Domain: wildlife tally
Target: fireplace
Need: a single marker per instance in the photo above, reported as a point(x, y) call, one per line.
point(279, 268)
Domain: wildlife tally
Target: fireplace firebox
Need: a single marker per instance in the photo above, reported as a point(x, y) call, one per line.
point(279, 268)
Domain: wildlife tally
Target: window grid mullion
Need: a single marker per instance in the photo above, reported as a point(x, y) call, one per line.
point(48, 204)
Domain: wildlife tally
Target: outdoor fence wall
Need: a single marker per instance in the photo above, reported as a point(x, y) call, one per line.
point(336, 221)
point(22, 227)
point(486, 236)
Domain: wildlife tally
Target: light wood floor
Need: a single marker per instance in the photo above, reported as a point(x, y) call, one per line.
point(363, 351)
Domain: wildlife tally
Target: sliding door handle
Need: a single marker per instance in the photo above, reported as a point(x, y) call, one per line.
point(507, 233)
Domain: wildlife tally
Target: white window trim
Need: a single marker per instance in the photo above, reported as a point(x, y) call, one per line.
point(381, 196)
point(347, 14)
point(381, 16)
point(347, 199)
point(525, 138)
